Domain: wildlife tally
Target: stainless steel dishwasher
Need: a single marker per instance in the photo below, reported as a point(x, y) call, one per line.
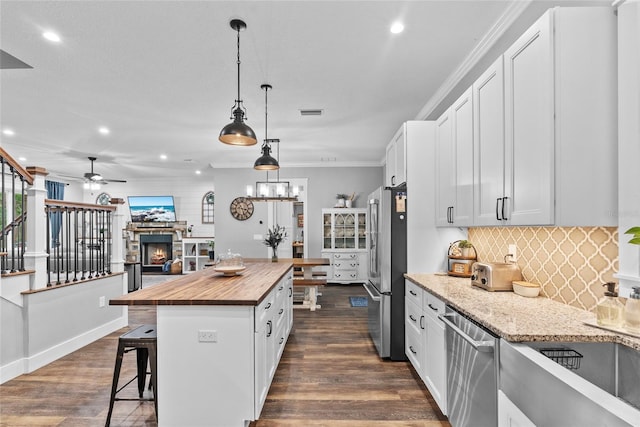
point(472, 372)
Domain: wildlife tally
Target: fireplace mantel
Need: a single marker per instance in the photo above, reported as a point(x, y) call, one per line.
point(135, 229)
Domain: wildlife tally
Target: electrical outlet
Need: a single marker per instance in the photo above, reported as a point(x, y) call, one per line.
point(101, 302)
point(207, 336)
point(258, 237)
point(513, 250)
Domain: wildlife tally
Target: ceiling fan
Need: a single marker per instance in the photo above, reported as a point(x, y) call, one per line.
point(96, 178)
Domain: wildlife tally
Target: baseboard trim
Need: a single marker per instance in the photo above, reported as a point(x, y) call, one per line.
point(12, 370)
point(54, 353)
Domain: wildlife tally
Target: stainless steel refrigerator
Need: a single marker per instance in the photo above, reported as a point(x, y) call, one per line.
point(387, 228)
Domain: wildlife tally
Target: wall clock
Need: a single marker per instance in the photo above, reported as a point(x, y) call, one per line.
point(103, 199)
point(241, 208)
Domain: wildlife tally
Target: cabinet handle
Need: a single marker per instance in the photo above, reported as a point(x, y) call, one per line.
point(281, 340)
point(281, 287)
point(413, 293)
point(269, 328)
point(432, 307)
point(290, 292)
point(412, 350)
point(412, 318)
point(497, 211)
point(421, 324)
point(281, 311)
point(504, 202)
point(393, 180)
point(268, 306)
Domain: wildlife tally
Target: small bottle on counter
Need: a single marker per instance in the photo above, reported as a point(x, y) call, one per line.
point(610, 310)
point(632, 310)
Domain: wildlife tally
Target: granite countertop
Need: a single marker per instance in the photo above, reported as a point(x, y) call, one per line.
point(209, 287)
point(516, 318)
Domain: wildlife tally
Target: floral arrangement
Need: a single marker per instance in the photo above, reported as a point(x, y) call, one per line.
point(276, 235)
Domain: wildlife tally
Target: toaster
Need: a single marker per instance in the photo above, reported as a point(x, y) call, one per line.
point(495, 276)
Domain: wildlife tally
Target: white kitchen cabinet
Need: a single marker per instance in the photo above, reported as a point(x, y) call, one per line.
point(396, 160)
point(488, 143)
point(195, 253)
point(345, 243)
point(560, 121)
point(425, 340)
point(454, 164)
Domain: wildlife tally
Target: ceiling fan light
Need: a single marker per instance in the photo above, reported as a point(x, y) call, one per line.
point(266, 162)
point(96, 177)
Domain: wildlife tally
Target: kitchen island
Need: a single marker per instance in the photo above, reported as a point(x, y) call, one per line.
point(219, 341)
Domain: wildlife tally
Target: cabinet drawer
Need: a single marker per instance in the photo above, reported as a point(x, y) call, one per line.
point(433, 305)
point(413, 292)
point(345, 265)
point(265, 309)
point(345, 274)
point(413, 316)
point(345, 256)
point(414, 349)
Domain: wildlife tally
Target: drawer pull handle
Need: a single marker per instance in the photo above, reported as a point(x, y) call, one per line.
point(268, 306)
point(281, 340)
point(269, 328)
point(281, 311)
point(412, 350)
point(421, 323)
point(413, 293)
point(432, 307)
point(412, 318)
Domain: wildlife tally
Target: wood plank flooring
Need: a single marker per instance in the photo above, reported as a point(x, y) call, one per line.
point(329, 375)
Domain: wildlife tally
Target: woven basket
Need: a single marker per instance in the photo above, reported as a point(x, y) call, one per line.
point(176, 267)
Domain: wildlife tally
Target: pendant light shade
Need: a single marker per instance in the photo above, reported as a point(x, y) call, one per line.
point(237, 132)
point(266, 162)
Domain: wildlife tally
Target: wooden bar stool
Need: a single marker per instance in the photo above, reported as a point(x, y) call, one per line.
point(144, 340)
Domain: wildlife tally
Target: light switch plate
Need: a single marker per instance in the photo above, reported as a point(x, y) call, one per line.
point(207, 336)
point(513, 250)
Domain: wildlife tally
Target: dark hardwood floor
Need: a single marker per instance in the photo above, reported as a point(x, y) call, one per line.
point(329, 375)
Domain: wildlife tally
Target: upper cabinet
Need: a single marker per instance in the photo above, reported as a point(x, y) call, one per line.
point(396, 160)
point(544, 130)
point(454, 163)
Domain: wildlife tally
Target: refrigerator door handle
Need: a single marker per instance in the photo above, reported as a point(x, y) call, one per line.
point(373, 297)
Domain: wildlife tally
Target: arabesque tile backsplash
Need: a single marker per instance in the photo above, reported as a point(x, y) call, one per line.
point(569, 263)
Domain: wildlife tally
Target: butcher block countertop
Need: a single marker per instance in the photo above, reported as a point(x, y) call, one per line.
point(516, 318)
point(209, 287)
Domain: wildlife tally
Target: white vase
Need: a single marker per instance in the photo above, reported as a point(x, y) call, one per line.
point(348, 203)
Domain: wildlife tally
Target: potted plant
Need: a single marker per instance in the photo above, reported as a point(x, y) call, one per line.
point(635, 232)
point(275, 236)
point(212, 245)
point(465, 248)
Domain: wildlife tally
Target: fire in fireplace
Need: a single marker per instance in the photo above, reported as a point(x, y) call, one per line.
point(156, 250)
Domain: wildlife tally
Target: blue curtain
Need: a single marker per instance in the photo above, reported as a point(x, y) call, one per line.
point(55, 191)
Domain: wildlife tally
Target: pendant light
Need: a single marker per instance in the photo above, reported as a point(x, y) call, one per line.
point(266, 162)
point(237, 132)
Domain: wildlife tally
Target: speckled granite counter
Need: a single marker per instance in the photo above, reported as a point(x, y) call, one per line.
point(517, 318)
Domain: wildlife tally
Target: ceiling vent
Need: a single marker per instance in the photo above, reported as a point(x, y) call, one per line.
point(311, 112)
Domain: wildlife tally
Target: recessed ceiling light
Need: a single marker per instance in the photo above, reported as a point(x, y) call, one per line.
point(51, 36)
point(8, 132)
point(104, 130)
point(163, 156)
point(198, 172)
point(397, 27)
point(22, 159)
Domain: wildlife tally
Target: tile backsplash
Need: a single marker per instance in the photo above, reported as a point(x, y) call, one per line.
point(569, 263)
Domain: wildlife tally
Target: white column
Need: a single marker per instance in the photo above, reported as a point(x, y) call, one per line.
point(628, 141)
point(35, 257)
point(117, 240)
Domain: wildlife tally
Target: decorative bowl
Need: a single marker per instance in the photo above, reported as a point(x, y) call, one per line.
point(526, 289)
point(230, 270)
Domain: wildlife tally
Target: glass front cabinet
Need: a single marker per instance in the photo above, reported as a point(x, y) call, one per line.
point(345, 243)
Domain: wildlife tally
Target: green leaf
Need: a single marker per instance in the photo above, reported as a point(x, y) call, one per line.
point(633, 230)
point(635, 241)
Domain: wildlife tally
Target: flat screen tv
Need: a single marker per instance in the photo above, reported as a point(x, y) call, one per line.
point(152, 208)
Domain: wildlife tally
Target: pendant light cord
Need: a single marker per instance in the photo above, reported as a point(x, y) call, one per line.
point(238, 62)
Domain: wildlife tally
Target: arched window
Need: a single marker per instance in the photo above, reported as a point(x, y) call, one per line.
point(207, 208)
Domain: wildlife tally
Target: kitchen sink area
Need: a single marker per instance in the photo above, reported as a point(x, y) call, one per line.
point(598, 381)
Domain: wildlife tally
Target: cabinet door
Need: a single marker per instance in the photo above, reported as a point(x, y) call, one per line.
point(444, 171)
point(327, 230)
point(529, 127)
point(390, 166)
point(488, 142)
point(435, 364)
point(462, 140)
point(401, 157)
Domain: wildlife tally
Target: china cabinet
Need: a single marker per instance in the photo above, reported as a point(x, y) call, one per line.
point(345, 243)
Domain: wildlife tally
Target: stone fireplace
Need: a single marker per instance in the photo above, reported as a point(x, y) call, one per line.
point(155, 250)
